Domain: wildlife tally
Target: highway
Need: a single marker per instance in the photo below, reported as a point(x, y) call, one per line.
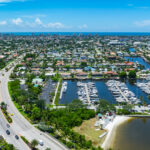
point(20, 125)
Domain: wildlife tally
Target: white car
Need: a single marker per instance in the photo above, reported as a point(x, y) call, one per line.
point(41, 142)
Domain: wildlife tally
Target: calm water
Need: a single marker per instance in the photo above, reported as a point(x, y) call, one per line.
point(137, 91)
point(103, 92)
point(133, 135)
point(83, 33)
point(71, 92)
point(139, 60)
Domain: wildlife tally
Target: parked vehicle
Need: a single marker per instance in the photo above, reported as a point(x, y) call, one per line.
point(41, 142)
point(17, 137)
point(8, 126)
point(8, 132)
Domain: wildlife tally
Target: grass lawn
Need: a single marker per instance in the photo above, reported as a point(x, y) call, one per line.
point(89, 130)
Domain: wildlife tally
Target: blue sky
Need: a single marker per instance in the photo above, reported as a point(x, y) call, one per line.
point(74, 15)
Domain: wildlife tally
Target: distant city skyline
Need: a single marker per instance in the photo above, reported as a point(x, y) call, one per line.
point(74, 16)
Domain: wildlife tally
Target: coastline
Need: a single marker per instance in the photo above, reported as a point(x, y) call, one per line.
point(111, 128)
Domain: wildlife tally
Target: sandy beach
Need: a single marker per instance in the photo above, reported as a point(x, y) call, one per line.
point(111, 128)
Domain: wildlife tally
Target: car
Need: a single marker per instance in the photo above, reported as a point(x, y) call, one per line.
point(8, 126)
point(8, 132)
point(17, 137)
point(41, 142)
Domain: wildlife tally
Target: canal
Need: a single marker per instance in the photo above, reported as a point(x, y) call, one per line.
point(140, 60)
point(134, 134)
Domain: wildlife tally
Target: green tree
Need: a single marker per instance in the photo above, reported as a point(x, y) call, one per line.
point(132, 74)
point(123, 75)
point(34, 143)
point(105, 106)
point(36, 113)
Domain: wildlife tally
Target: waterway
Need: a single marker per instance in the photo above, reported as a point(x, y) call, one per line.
point(71, 93)
point(134, 134)
point(140, 60)
point(103, 92)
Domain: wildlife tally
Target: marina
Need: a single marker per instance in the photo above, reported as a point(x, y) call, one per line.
point(144, 86)
point(103, 91)
point(87, 92)
point(121, 92)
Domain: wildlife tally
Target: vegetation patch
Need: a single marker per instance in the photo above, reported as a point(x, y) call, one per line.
point(5, 146)
point(58, 92)
point(88, 129)
point(6, 114)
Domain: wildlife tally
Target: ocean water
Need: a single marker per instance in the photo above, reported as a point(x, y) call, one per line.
point(80, 33)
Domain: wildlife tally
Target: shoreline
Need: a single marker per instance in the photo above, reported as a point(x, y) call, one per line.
point(111, 128)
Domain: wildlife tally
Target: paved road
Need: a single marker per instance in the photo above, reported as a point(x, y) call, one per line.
point(20, 125)
point(19, 144)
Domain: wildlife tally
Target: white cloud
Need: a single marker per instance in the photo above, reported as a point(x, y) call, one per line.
point(143, 23)
point(56, 25)
point(17, 21)
point(84, 26)
point(38, 21)
point(3, 22)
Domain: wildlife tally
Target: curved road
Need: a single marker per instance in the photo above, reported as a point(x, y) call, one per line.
point(20, 125)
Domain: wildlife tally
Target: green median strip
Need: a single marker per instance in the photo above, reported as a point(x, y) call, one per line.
point(9, 119)
point(58, 92)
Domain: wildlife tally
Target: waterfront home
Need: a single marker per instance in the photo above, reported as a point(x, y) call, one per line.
point(65, 75)
point(82, 75)
point(129, 69)
point(97, 74)
point(111, 74)
point(128, 63)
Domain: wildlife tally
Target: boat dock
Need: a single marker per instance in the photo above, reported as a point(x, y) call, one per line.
point(87, 92)
point(63, 89)
point(121, 92)
point(125, 98)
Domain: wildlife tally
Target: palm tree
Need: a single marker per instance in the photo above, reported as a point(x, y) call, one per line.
point(34, 143)
point(3, 105)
